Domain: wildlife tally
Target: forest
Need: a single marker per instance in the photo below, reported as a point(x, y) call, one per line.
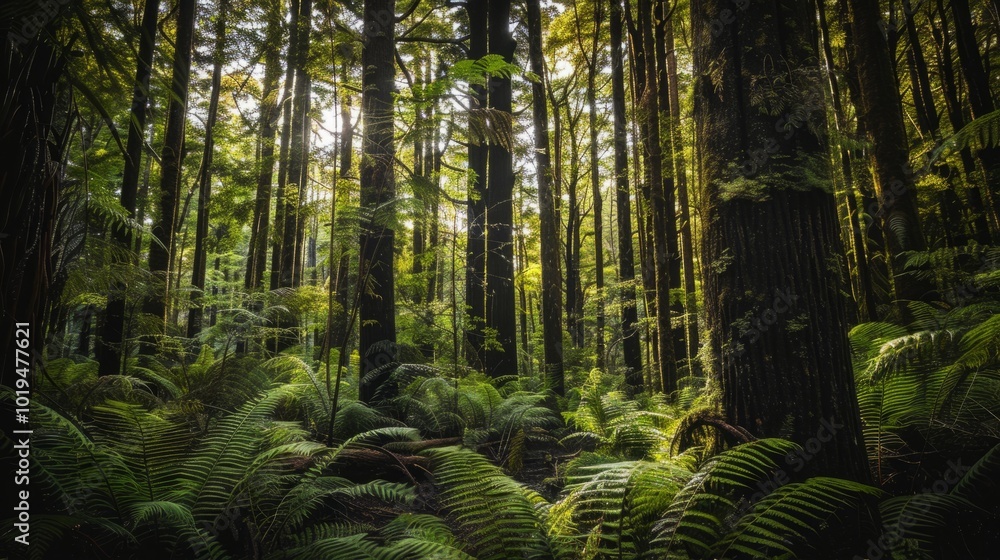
point(492, 279)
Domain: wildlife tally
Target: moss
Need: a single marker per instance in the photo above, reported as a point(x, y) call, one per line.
point(720, 264)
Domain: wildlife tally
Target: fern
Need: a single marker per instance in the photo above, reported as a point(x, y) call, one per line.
point(496, 517)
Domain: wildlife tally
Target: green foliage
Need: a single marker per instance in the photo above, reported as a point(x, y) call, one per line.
point(495, 515)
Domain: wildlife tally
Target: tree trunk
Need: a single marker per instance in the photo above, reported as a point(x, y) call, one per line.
point(475, 275)
point(631, 349)
point(864, 293)
point(660, 184)
point(780, 330)
point(108, 349)
point(551, 294)
point(378, 188)
point(278, 236)
point(500, 303)
point(955, 109)
point(680, 174)
point(298, 156)
point(205, 178)
point(881, 111)
point(595, 180)
point(268, 122)
point(170, 164)
point(981, 101)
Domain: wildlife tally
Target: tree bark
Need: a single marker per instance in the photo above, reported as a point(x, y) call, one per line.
point(660, 184)
point(881, 111)
point(551, 294)
point(170, 163)
point(500, 298)
point(779, 331)
point(268, 122)
point(108, 349)
point(378, 188)
point(631, 348)
point(475, 275)
point(205, 178)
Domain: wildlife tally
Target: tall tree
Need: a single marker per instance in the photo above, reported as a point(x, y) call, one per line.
point(981, 100)
point(549, 242)
point(591, 60)
point(680, 175)
point(864, 294)
point(475, 273)
point(268, 122)
point(882, 114)
point(501, 308)
point(170, 163)
point(108, 349)
point(205, 175)
point(780, 330)
point(378, 188)
point(626, 255)
point(660, 179)
point(298, 155)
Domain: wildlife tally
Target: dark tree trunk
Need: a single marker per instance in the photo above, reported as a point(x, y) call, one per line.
point(780, 330)
point(981, 101)
point(108, 349)
point(680, 174)
point(205, 179)
point(661, 14)
point(881, 112)
point(500, 302)
point(475, 275)
point(864, 180)
point(378, 187)
point(574, 288)
point(631, 348)
point(549, 242)
point(268, 122)
point(298, 156)
point(280, 203)
point(595, 180)
point(660, 185)
point(956, 115)
point(864, 293)
point(170, 164)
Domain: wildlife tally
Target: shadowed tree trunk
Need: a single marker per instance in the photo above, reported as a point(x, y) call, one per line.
point(205, 178)
point(549, 242)
point(500, 297)
point(108, 349)
point(475, 275)
point(377, 342)
point(780, 330)
point(864, 293)
point(981, 101)
point(268, 122)
point(170, 164)
point(680, 173)
point(956, 115)
point(881, 112)
point(660, 184)
point(631, 348)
